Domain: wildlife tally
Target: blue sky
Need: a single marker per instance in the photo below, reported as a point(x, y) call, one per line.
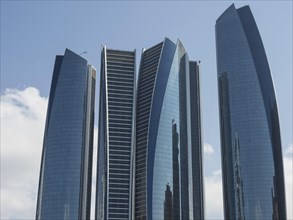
point(33, 33)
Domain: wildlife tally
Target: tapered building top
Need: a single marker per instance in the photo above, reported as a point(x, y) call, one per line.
point(253, 181)
point(166, 153)
point(66, 166)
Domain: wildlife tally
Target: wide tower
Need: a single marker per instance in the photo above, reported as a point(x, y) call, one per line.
point(168, 161)
point(252, 166)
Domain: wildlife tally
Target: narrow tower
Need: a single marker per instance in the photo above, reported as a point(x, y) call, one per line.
point(66, 166)
point(115, 137)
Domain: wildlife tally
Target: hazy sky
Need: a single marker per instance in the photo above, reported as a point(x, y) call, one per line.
point(33, 33)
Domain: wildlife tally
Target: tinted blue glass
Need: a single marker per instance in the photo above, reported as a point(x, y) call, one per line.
point(164, 155)
point(167, 139)
point(66, 163)
point(162, 76)
point(252, 170)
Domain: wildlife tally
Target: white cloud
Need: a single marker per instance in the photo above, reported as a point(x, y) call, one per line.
point(208, 149)
point(288, 171)
point(213, 196)
point(22, 126)
point(23, 114)
point(289, 150)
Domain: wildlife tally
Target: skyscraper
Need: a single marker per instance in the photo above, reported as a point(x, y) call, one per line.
point(116, 135)
point(252, 166)
point(66, 166)
point(168, 161)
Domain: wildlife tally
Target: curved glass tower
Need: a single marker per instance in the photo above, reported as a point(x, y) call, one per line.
point(66, 166)
point(253, 181)
point(168, 162)
point(115, 138)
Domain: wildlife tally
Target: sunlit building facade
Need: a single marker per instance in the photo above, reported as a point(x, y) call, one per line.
point(168, 152)
point(252, 166)
point(66, 166)
point(115, 135)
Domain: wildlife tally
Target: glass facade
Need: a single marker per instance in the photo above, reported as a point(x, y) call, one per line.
point(196, 141)
point(252, 166)
point(115, 138)
point(166, 152)
point(66, 166)
point(147, 77)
